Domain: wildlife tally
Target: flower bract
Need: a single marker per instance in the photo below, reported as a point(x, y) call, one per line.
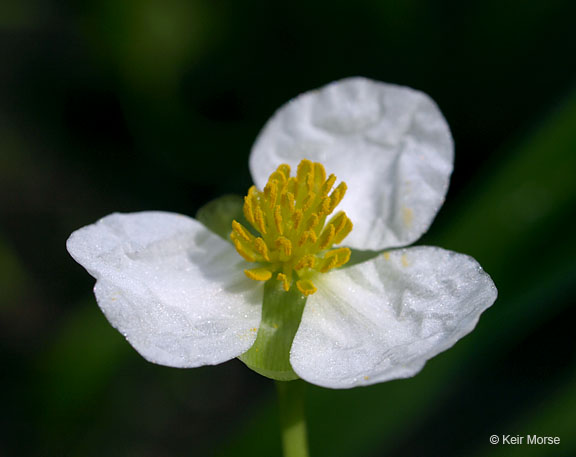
point(278, 290)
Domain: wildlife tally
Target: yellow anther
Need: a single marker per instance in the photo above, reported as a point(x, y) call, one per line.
point(342, 255)
point(288, 201)
point(326, 205)
point(261, 248)
point(241, 231)
point(312, 236)
point(338, 220)
point(271, 193)
point(284, 247)
point(328, 185)
point(278, 219)
point(273, 199)
point(308, 202)
point(258, 274)
point(306, 287)
point(310, 182)
point(243, 251)
point(292, 187)
point(311, 222)
point(285, 170)
point(304, 168)
point(319, 174)
point(328, 264)
point(253, 194)
point(307, 261)
point(307, 237)
point(326, 237)
point(259, 221)
point(297, 218)
point(337, 195)
point(285, 282)
point(280, 177)
point(343, 233)
point(290, 215)
point(248, 209)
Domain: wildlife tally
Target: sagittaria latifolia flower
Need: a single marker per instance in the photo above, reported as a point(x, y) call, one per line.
point(278, 290)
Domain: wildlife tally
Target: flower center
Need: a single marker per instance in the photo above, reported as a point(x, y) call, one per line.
point(293, 240)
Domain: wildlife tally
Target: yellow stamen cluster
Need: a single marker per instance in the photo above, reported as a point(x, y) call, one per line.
point(293, 238)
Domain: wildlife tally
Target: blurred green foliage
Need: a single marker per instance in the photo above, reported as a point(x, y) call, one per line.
point(124, 106)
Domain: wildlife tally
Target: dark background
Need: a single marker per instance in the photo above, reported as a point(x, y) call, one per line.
point(127, 105)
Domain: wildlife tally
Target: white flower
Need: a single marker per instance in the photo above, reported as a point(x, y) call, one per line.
point(179, 293)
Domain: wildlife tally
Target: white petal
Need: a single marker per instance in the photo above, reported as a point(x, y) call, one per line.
point(390, 144)
point(175, 290)
point(383, 319)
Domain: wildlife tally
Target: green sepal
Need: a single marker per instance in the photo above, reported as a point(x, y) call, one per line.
point(219, 213)
point(359, 256)
point(281, 315)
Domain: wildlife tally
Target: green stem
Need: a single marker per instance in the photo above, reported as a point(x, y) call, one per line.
point(293, 418)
